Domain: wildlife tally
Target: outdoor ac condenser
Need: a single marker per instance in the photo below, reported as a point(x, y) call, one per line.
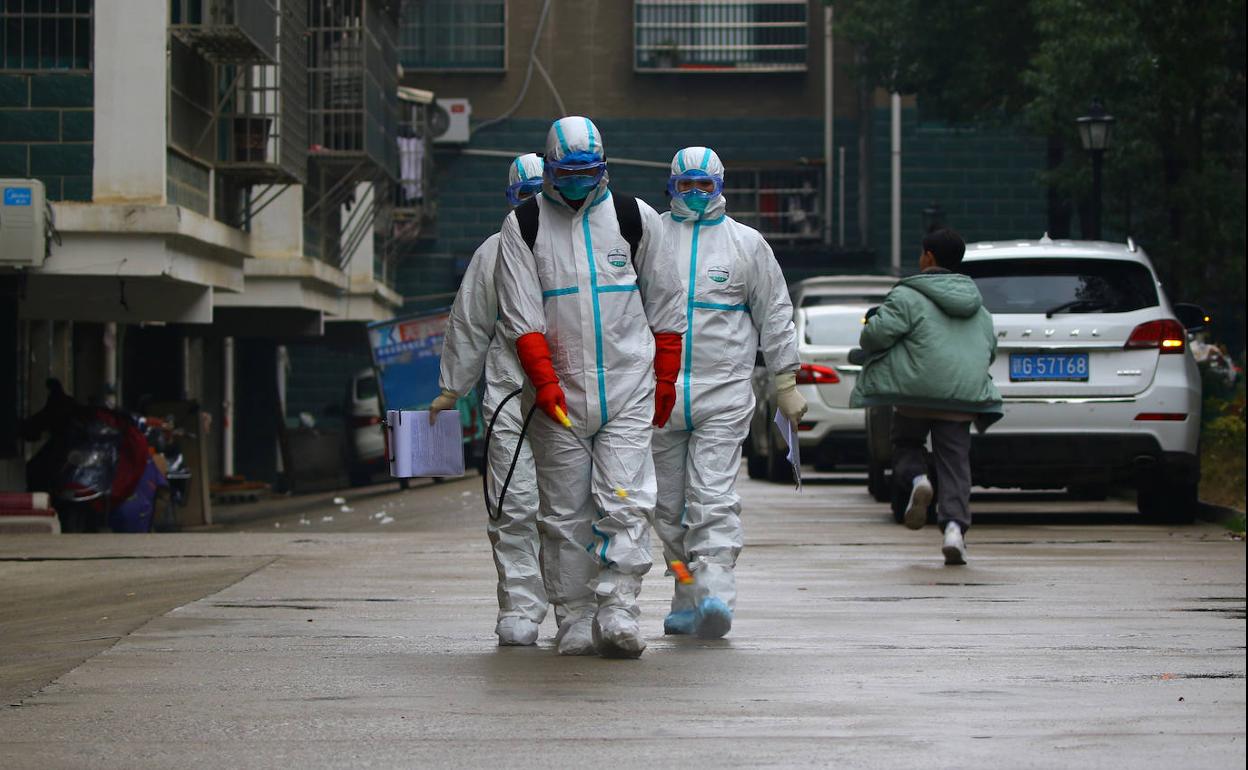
point(448, 122)
point(22, 223)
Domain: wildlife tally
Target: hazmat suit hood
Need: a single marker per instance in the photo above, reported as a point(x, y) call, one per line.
point(701, 159)
point(573, 134)
point(524, 168)
point(955, 294)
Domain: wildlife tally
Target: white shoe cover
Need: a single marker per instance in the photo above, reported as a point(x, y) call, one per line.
point(516, 631)
point(576, 635)
point(617, 634)
point(920, 498)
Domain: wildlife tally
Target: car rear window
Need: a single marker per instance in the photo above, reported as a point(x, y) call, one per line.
point(365, 388)
point(834, 329)
point(1063, 285)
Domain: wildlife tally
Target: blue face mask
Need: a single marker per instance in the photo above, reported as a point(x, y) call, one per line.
point(697, 200)
point(576, 188)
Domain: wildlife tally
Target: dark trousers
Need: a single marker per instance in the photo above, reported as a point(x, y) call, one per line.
point(951, 449)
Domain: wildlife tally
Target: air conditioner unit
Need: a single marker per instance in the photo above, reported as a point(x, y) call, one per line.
point(23, 223)
point(448, 121)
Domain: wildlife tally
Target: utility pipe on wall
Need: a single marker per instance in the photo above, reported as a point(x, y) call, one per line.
point(829, 114)
point(227, 407)
point(840, 202)
point(895, 251)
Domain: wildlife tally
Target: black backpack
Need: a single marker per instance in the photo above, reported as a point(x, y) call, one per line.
point(626, 213)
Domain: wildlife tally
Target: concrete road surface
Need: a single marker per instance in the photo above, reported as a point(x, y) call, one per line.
point(363, 638)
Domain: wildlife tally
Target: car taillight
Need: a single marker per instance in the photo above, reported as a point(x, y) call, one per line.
point(814, 374)
point(1162, 416)
point(365, 421)
point(1166, 335)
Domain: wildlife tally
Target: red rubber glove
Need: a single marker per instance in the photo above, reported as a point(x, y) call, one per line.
point(535, 358)
point(666, 367)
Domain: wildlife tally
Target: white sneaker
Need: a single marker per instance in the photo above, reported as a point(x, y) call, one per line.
point(955, 546)
point(920, 499)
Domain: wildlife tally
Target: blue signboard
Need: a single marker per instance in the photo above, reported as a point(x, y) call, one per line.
point(17, 196)
point(407, 353)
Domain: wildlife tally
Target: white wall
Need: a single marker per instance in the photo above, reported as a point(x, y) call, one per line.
point(131, 101)
point(277, 231)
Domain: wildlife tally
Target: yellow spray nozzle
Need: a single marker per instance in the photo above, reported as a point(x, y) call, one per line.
point(563, 417)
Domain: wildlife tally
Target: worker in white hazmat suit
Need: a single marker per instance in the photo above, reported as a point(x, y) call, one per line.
point(473, 343)
point(735, 301)
point(597, 324)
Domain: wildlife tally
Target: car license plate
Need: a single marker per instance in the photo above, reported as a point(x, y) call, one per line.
point(1072, 367)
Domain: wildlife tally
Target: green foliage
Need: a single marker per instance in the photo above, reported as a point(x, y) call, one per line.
point(962, 57)
point(1173, 74)
point(1222, 453)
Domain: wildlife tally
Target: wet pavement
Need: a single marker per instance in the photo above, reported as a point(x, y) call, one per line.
point(315, 636)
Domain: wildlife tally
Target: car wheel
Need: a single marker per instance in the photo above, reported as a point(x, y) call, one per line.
point(755, 465)
point(777, 463)
point(1164, 502)
point(879, 482)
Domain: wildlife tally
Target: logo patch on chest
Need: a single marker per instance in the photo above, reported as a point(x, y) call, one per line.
point(717, 273)
point(617, 257)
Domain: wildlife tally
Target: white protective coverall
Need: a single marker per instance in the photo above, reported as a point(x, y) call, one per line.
point(597, 309)
point(474, 342)
point(735, 299)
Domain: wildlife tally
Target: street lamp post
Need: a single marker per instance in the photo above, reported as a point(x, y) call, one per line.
point(1094, 134)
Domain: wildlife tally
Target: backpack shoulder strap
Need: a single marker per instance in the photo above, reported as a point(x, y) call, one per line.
point(527, 215)
point(629, 216)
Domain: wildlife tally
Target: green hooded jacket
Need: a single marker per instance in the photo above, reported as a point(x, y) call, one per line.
point(929, 346)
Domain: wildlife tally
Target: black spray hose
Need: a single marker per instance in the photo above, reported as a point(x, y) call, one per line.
point(494, 512)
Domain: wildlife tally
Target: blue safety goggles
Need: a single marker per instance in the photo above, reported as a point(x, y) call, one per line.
point(580, 170)
point(689, 181)
point(523, 190)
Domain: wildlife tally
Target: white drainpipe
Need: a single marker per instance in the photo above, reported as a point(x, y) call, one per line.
point(227, 407)
point(896, 192)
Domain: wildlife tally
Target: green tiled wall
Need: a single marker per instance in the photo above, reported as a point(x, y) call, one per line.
point(986, 181)
point(470, 198)
point(46, 131)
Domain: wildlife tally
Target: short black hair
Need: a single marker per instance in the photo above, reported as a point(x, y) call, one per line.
point(946, 245)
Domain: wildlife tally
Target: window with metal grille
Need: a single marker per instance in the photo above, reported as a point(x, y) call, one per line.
point(719, 36)
point(45, 35)
point(454, 35)
point(782, 204)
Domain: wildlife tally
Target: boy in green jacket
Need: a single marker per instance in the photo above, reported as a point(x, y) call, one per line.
point(928, 350)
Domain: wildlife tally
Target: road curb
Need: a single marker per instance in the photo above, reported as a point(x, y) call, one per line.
point(1217, 514)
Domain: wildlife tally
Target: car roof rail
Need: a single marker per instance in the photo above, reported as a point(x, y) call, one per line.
point(1045, 239)
point(1131, 247)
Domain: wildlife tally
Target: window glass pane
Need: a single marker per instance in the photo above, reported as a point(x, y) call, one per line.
point(453, 34)
point(1077, 285)
point(835, 328)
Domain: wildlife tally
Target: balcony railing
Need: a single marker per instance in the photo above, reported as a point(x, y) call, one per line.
point(353, 83)
point(691, 36)
point(784, 204)
point(262, 129)
point(227, 31)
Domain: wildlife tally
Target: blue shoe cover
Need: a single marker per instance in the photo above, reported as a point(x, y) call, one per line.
point(712, 619)
point(678, 623)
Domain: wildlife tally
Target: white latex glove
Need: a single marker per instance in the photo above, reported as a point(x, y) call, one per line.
point(445, 400)
point(790, 402)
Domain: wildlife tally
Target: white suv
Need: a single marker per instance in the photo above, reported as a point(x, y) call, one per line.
point(1094, 368)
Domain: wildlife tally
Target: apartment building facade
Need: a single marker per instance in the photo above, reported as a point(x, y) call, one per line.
point(221, 179)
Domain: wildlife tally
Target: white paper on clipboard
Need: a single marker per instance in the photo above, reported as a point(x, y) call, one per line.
point(420, 450)
point(795, 451)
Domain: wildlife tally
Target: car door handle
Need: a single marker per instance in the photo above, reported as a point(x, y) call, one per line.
point(848, 368)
